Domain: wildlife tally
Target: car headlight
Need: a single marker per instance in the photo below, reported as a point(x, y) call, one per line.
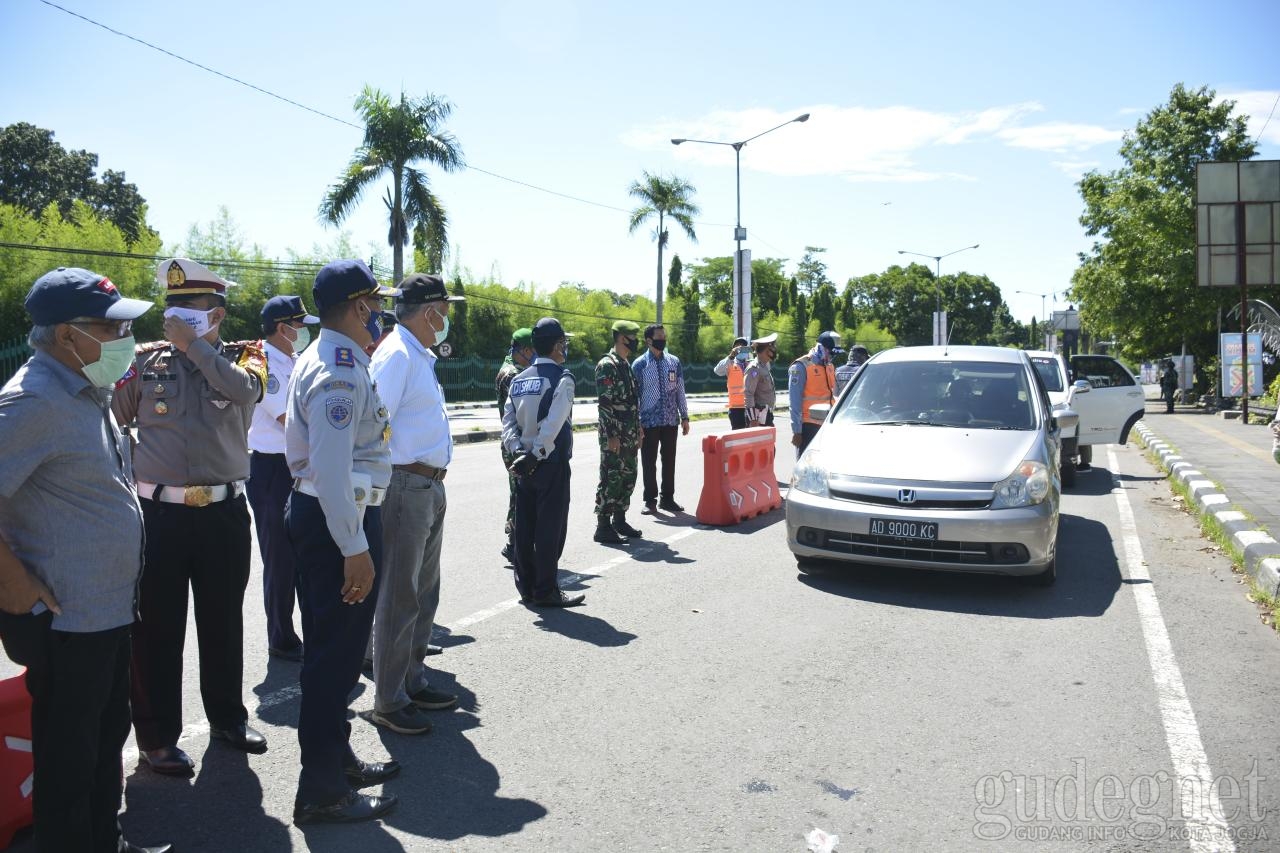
point(809, 476)
point(1028, 485)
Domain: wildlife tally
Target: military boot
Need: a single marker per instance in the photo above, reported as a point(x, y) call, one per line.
point(621, 526)
point(605, 534)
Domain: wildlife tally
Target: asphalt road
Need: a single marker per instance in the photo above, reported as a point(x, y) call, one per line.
point(709, 697)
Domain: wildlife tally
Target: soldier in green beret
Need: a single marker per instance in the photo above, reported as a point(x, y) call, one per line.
point(520, 357)
point(620, 435)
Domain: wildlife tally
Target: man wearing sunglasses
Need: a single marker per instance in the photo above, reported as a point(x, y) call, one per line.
point(71, 554)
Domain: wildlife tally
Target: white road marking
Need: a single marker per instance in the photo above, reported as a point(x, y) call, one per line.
point(1207, 830)
point(293, 691)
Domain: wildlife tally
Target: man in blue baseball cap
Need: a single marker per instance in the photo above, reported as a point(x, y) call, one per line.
point(71, 553)
point(811, 381)
point(284, 327)
point(537, 429)
point(336, 435)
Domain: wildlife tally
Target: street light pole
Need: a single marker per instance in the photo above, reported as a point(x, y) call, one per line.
point(742, 317)
point(1044, 317)
point(940, 327)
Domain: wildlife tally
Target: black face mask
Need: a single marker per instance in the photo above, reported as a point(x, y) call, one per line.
point(660, 345)
point(630, 343)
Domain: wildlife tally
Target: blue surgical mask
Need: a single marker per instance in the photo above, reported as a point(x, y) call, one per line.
point(374, 326)
point(743, 357)
point(819, 354)
point(304, 338)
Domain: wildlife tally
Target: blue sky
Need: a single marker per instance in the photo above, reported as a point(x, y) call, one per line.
point(934, 125)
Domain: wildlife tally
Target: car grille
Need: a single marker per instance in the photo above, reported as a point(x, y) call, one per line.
point(881, 500)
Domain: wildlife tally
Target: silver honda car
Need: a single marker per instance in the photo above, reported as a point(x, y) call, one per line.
point(935, 458)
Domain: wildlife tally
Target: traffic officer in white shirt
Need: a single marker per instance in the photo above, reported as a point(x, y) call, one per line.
point(336, 434)
point(413, 515)
point(284, 324)
point(537, 429)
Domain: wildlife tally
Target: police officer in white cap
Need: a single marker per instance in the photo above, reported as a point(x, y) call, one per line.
point(759, 391)
point(192, 397)
point(336, 434)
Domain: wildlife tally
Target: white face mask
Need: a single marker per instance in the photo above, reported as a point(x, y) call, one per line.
point(195, 318)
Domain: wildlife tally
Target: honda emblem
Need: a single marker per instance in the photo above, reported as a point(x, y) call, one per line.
point(906, 496)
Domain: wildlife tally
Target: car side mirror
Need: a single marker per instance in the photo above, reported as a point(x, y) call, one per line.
point(1081, 386)
point(820, 411)
point(1066, 419)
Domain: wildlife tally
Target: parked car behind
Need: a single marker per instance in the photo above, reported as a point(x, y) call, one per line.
point(1102, 391)
point(937, 458)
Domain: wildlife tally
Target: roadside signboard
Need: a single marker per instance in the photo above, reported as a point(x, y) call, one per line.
point(1233, 365)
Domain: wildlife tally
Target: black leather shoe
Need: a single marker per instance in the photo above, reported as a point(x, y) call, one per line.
point(169, 761)
point(366, 773)
point(670, 505)
point(162, 848)
point(508, 553)
point(650, 508)
point(292, 654)
point(435, 650)
point(606, 535)
point(560, 598)
point(620, 525)
point(350, 809)
point(243, 737)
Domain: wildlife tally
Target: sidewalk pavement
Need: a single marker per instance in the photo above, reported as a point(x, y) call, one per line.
point(1228, 467)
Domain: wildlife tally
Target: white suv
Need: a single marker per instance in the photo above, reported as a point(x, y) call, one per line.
point(1101, 391)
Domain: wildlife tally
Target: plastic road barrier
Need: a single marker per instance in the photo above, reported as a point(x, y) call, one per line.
point(15, 757)
point(737, 476)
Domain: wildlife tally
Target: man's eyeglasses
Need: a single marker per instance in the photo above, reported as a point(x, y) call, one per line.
point(122, 328)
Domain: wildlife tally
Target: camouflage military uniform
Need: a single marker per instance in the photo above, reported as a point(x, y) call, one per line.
point(506, 373)
point(619, 418)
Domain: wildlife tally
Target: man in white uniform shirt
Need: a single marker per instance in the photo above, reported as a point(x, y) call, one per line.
point(413, 515)
point(284, 321)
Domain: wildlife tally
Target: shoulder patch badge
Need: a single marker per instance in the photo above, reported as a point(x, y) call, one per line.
point(273, 383)
point(132, 372)
point(338, 410)
point(343, 357)
point(338, 385)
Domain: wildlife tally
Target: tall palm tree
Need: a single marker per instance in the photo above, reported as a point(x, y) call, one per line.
point(396, 137)
point(665, 196)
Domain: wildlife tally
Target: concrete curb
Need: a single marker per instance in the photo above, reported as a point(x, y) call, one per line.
point(1261, 553)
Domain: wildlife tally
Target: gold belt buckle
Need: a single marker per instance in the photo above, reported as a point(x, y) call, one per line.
point(197, 495)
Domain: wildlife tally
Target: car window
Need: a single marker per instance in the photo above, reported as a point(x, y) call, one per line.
point(1050, 375)
point(976, 394)
point(1101, 371)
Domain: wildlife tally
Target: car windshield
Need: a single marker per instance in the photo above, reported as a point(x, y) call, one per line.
point(1050, 375)
point(974, 394)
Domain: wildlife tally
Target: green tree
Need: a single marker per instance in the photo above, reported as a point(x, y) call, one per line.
point(691, 321)
point(812, 272)
point(675, 277)
point(714, 279)
point(663, 196)
point(35, 240)
point(1137, 284)
point(824, 307)
point(798, 332)
point(397, 136)
point(767, 284)
point(36, 171)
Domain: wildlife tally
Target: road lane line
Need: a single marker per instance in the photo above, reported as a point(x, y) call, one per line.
point(293, 691)
point(1207, 830)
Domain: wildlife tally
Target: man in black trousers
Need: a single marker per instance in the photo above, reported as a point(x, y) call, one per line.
point(71, 555)
point(537, 430)
point(336, 436)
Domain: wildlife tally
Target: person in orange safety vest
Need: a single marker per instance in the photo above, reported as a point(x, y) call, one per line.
point(733, 367)
point(812, 381)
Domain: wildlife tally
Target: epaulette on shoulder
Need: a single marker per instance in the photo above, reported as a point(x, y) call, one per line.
point(152, 346)
point(250, 347)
